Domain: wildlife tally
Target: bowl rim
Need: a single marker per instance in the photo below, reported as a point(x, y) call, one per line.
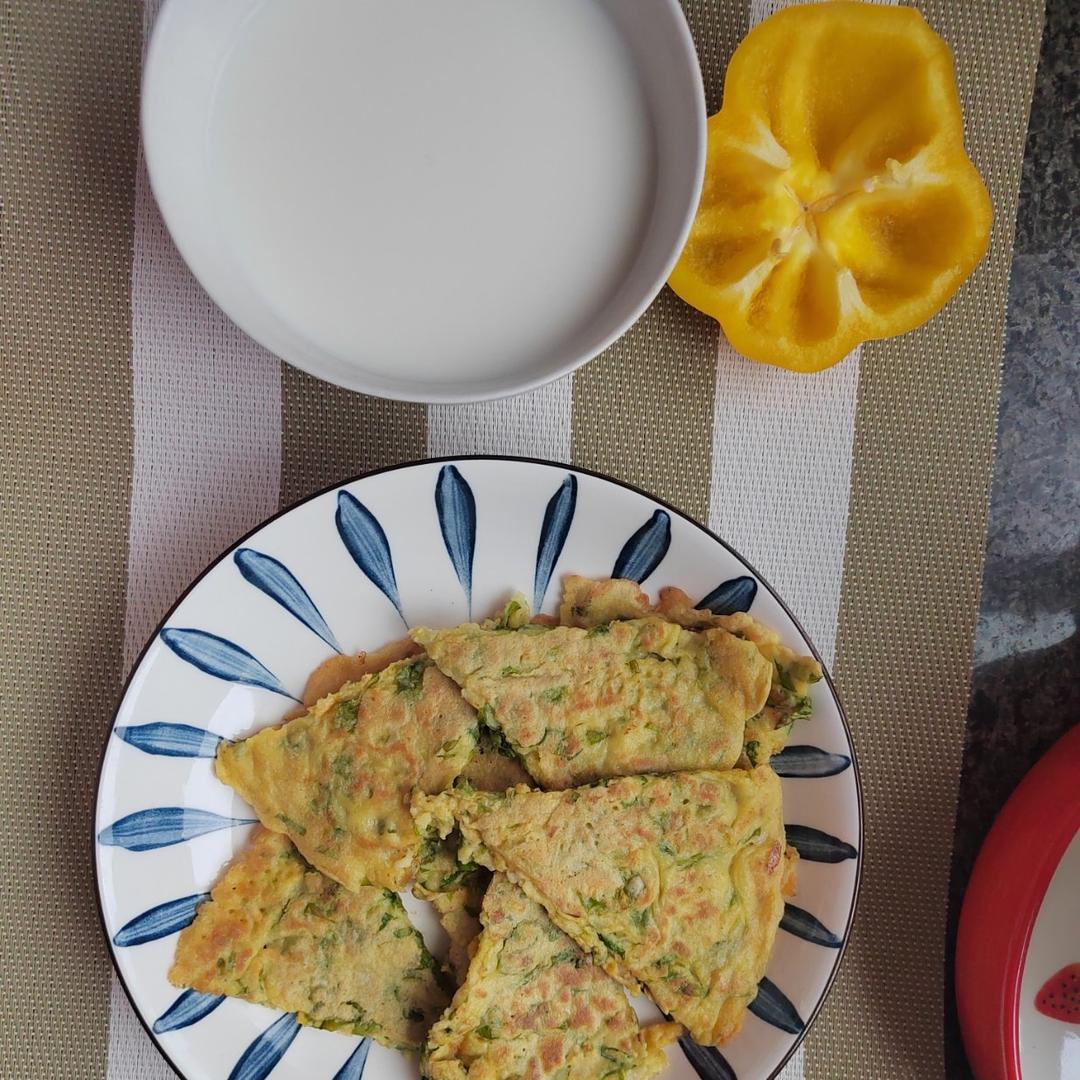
point(452, 459)
point(358, 379)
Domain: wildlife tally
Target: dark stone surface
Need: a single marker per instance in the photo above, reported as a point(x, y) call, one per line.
point(1026, 682)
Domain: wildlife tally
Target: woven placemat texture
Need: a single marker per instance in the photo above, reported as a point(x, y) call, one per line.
point(643, 411)
point(68, 137)
point(923, 461)
point(906, 425)
point(328, 433)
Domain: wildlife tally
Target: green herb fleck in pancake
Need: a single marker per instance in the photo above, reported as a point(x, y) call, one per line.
point(338, 779)
point(590, 603)
point(670, 882)
point(632, 696)
point(278, 933)
point(534, 1006)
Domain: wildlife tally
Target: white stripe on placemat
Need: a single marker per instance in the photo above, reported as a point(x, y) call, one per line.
point(781, 478)
point(536, 424)
point(206, 468)
point(781, 470)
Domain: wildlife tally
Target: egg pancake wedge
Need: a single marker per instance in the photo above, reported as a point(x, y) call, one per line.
point(588, 603)
point(533, 1006)
point(674, 883)
point(278, 933)
point(634, 696)
point(454, 890)
point(337, 780)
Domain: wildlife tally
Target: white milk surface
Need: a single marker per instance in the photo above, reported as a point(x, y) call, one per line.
point(432, 188)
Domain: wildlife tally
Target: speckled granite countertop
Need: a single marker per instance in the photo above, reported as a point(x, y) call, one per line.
point(1026, 681)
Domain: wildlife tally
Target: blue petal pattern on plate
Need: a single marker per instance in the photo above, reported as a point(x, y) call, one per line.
point(558, 517)
point(342, 518)
point(163, 826)
point(353, 1069)
point(803, 924)
point(221, 658)
point(706, 1061)
point(171, 740)
point(732, 596)
point(774, 1008)
point(817, 846)
point(267, 1050)
point(279, 583)
point(160, 921)
point(805, 761)
point(645, 550)
point(456, 507)
point(187, 1009)
point(366, 542)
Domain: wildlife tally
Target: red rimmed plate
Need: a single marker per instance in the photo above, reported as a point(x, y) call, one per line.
point(1018, 943)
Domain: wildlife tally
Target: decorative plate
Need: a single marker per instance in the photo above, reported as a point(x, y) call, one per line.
point(349, 569)
point(1018, 940)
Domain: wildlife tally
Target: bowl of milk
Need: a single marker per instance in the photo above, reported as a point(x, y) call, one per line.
point(428, 200)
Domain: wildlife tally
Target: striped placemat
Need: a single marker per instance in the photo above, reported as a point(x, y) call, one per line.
point(142, 432)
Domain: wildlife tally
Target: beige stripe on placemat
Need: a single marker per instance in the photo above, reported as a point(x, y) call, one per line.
point(923, 461)
point(69, 75)
point(643, 410)
point(329, 434)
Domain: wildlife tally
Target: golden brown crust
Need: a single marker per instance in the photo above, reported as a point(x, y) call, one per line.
point(673, 882)
point(587, 603)
point(490, 769)
point(337, 780)
point(633, 696)
point(534, 1007)
point(334, 673)
point(278, 933)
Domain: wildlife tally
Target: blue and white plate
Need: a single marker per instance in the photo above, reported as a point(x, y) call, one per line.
point(350, 569)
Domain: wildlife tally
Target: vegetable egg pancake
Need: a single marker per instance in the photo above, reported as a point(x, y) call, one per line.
point(494, 766)
point(635, 696)
point(338, 779)
point(674, 882)
point(278, 933)
point(587, 603)
point(456, 891)
point(533, 1006)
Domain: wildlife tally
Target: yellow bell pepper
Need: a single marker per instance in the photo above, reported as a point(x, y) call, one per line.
point(839, 204)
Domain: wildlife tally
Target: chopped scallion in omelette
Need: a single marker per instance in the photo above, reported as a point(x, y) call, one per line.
point(633, 696)
point(590, 603)
point(278, 933)
point(337, 780)
point(674, 883)
point(454, 890)
point(650, 860)
point(494, 766)
point(534, 1006)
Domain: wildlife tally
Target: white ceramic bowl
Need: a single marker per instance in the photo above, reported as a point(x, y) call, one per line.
point(496, 257)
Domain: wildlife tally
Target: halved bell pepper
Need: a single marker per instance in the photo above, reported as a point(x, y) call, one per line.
point(839, 204)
